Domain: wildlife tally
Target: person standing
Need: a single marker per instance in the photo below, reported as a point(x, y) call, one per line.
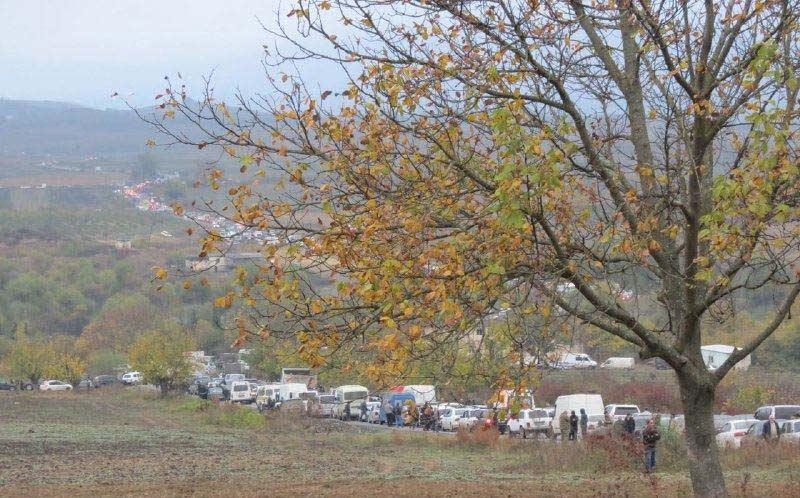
point(650, 437)
point(389, 413)
point(573, 426)
point(563, 424)
point(772, 432)
point(364, 411)
point(607, 420)
point(346, 414)
point(398, 415)
point(630, 425)
point(584, 423)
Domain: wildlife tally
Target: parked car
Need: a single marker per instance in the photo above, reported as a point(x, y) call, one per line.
point(104, 380)
point(215, 392)
point(467, 420)
point(618, 362)
point(755, 434)
point(373, 415)
point(778, 411)
point(619, 412)
point(532, 421)
point(326, 402)
point(730, 435)
point(7, 386)
point(54, 385)
point(131, 378)
point(85, 384)
point(240, 392)
point(576, 361)
point(450, 418)
point(790, 431)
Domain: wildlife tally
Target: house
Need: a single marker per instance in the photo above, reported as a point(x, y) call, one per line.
point(714, 355)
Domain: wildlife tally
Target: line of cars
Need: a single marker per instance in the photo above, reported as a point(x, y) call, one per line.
point(748, 430)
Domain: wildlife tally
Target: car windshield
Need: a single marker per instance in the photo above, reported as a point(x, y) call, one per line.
point(327, 398)
point(539, 414)
point(741, 424)
point(241, 387)
point(624, 410)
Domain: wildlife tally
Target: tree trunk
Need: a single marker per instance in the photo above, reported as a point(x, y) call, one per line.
point(701, 443)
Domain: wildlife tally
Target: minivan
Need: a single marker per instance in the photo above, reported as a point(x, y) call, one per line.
point(779, 411)
point(131, 378)
point(619, 362)
point(240, 392)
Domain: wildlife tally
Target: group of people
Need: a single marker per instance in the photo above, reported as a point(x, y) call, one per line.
point(569, 423)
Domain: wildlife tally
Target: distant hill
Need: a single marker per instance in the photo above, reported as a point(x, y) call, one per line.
point(59, 128)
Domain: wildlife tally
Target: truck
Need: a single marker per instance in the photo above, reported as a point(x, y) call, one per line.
point(423, 393)
point(297, 375)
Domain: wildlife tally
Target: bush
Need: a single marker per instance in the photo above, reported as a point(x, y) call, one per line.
point(233, 417)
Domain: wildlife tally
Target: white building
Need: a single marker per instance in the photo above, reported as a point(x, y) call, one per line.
point(714, 355)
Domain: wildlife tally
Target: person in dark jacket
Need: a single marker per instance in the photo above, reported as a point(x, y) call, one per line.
point(630, 425)
point(650, 437)
point(346, 413)
point(364, 414)
point(584, 423)
point(772, 431)
point(573, 426)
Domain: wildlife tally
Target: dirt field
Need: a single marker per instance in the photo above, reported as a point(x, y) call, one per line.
point(130, 443)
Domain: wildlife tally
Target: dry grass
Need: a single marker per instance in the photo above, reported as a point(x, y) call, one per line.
point(128, 443)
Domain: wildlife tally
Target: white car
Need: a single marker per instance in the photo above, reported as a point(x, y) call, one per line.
point(468, 419)
point(373, 415)
point(790, 431)
point(450, 418)
point(131, 378)
point(54, 385)
point(532, 421)
point(730, 436)
point(619, 412)
point(240, 392)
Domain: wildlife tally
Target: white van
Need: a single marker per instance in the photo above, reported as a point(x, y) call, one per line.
point(131, 378)
point(592, 403)
point(625, 363)
point(240, 392)
point(579, 361)
point(423, 393)
point(353, 394)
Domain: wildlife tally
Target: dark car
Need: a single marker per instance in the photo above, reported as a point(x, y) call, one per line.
point(7, 386)
point(104, 380)
point(200, 386)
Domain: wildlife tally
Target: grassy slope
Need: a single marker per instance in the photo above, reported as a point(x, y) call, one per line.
point(130, 443)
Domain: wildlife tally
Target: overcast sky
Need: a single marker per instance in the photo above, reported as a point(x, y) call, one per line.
point(84, 50)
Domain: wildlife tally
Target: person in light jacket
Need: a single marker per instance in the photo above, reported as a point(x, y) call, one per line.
point(563, 424)
point(772, 431)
